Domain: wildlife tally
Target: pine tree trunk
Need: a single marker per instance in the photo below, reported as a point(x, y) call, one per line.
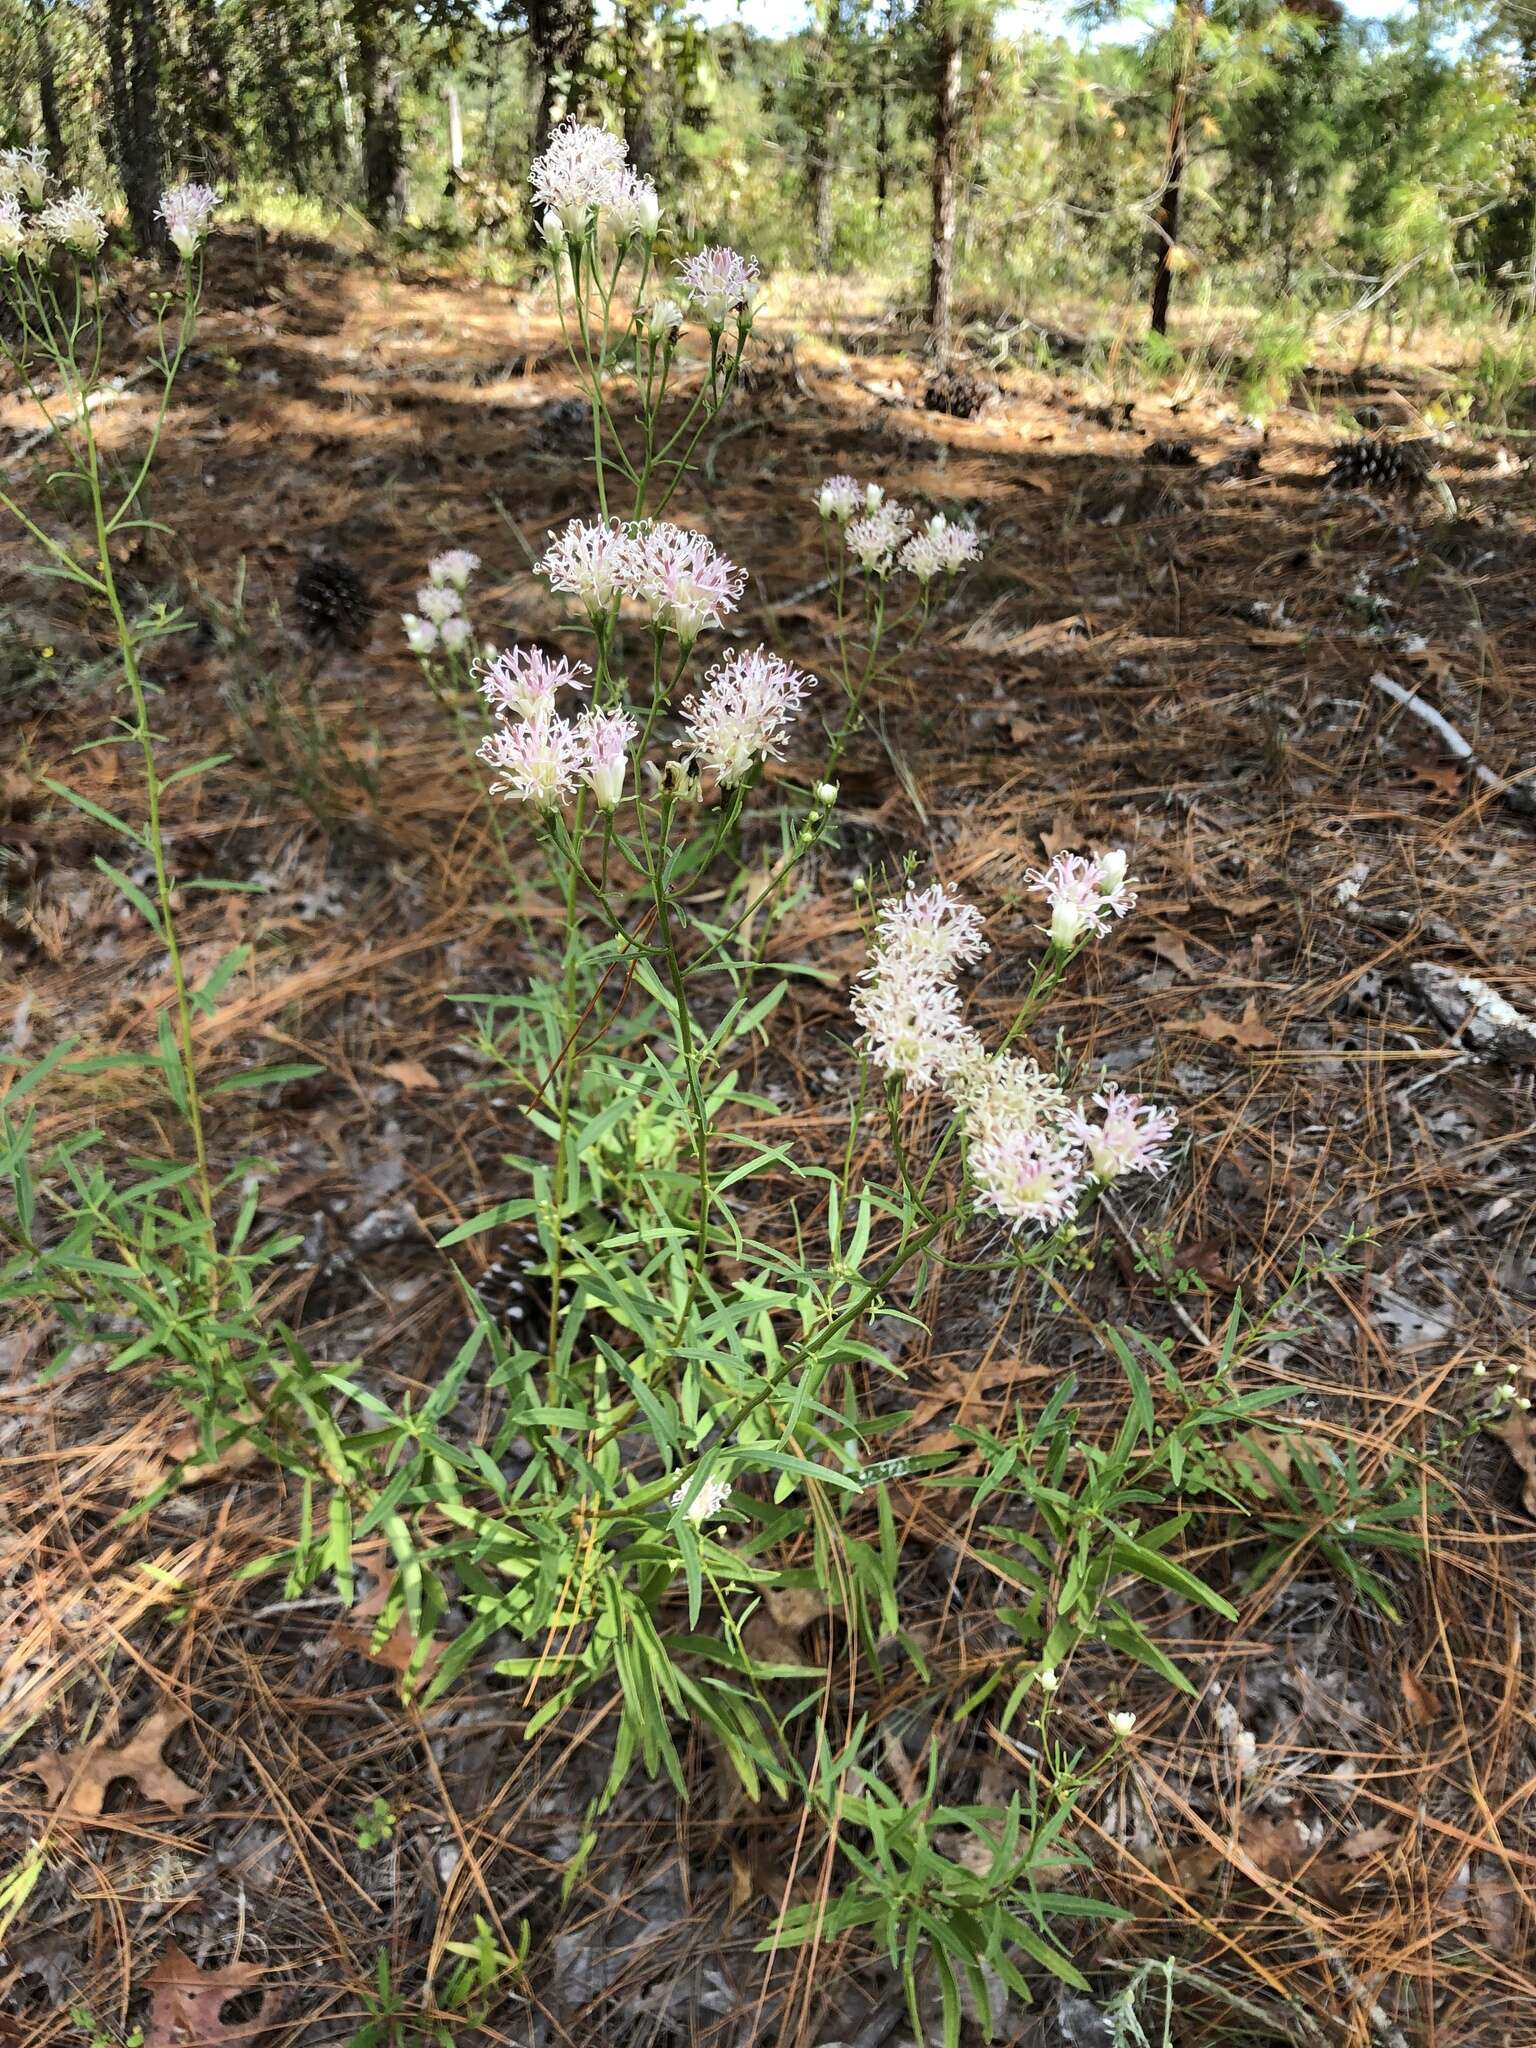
point(133, 69)
point(882, 140)
point(821, 203)
point(946, 146)
point(47, 87)
point(634, 84)
point(383, 145)
point(208, 62)
point(1165, 230)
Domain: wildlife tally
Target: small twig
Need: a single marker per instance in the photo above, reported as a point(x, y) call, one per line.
point(1520, 795)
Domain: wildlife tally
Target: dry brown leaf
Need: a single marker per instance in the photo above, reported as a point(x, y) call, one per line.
point(1170, 947)
point(78, 1784)
point(1061, 835)
point(795, 1607)
point(1275, 636)
point(1261, 1460)
point(1515, 1433)
point(1247, 1031)
point(1366, 1842)
point(398, 1651)
point(767, 1644)
point(186, 2003)
point(181, 1449)
point(413, 1077)
point(1273, 1848)
point(1422, 1704)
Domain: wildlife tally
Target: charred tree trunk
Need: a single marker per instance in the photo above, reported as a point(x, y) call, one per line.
point(1165, 221)
point(946, 150)
point(47, 86)
point(133, 69)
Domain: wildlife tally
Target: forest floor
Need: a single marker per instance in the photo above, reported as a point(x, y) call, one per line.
point(1335, 1835)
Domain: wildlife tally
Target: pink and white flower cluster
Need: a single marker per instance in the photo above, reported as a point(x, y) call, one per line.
point(1033, 1154)
point(1086, 894)
point(680, 577)
point(186, 211)
point(878, 532)
point(540, 756)
point(743, 714)
point(584, 178)
point(718, 282)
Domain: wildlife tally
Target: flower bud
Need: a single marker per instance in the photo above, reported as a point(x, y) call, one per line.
point(826, 794)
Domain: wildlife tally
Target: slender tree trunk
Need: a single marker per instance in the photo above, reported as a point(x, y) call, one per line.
point(882, 138)
point(635, 83)
point(946, 149)
point(821, 202)
point(133, 69)
point(47, 86)
point(559, 32)
point(383, 145)
point(1165, 230)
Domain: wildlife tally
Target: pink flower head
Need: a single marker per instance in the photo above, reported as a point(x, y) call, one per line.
point(719, 282)
point(1131, 1136)
point(539, 760)
point(839, 498)
point(744, 713)
point(930, 929)
point(911, 1022)
point(595, 562)
point(605, 738)
point(186, 211)
point(524, 681)
point(578, 172)
point(1027, 1174)
point(1085, 894)
point(686, 582)
point(76, 221)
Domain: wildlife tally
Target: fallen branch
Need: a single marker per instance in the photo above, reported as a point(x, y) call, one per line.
point(1520, 795)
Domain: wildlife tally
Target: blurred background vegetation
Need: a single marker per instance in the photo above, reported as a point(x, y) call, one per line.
point(1221, 166)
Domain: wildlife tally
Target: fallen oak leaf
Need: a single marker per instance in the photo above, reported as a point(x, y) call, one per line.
point(1248, 1031)
point(414, 1077)
point(400, 1650)
point(186, 2003)
point(1514, 1432)
point(78, 1785)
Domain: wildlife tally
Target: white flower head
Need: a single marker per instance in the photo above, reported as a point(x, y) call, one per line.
point(1123, 1722)
point(631, 207)
point(683, 579)
point(663, 318)
point(538, 759)
point(578, 173)
point(186, 211)
point(743, 714)
point(1048, 1678)
point(24, 172)
point(525, 681)
point(911, 1023)
point(438, 601)
point(839, 498)
point(605, 737)
point(1007, 1091)
point(75, 222)
point(1027, 1174)
point(420, 634)
point(719, 282)
point(454, 567)
point(939, 549)
point(931, 929)
point(874, 540)
point(456, 631)
point(706, 1503)
point(13, 229)
point(1085, 894)
point(1129, 1136)
point(596, 563)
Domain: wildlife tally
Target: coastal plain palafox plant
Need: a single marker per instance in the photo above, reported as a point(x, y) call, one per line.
point(698, 1422)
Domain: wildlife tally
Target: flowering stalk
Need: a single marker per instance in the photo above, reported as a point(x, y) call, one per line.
point(64, 330)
